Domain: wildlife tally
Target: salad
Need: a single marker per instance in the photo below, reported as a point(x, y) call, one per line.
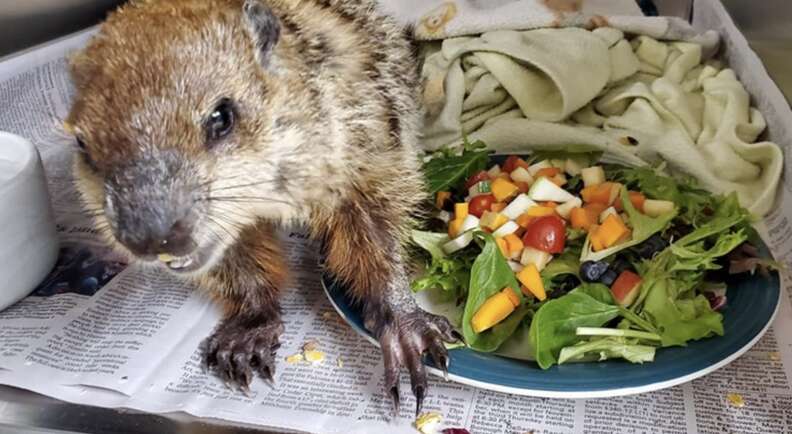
point(566, 259)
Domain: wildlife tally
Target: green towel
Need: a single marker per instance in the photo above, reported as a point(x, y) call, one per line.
point(556, 88)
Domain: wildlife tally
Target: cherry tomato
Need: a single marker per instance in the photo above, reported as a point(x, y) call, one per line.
point(513, 162)
point(547, 234)
point(478, 176)
point(481, 203)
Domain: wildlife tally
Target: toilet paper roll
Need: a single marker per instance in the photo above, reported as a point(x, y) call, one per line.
point(28, 240)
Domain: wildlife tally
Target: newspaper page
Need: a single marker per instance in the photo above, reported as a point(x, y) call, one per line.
point(126, 336)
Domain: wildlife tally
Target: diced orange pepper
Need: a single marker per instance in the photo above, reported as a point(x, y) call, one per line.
point(512, 296)
point(497, 206)
point(540, 211)
point(529, 276)
point(637, 199)
point(454, 227)
point(594, 238)
point(580, 219)
point(547, 172)
point(602, 193)
point(514, 243)
point(504, 248)
point(523, 186)
point(524, 220)
point(594, 210)
point(503, 189)
point(461, 210)
point(442, 197)
point(612, 230)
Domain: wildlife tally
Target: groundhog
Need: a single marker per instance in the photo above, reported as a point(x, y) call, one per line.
point(204, 125)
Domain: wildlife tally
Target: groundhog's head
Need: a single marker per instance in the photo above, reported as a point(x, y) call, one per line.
point(175, 120)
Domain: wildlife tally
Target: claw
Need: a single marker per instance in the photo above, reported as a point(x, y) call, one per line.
point(394, 394)
point(420, 393)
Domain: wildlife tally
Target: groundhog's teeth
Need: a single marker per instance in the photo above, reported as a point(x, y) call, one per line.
point(180, 262)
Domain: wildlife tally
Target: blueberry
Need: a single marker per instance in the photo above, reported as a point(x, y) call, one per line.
point(608, 277)
point(651, 246)
point(620, 265)
point(592, 271)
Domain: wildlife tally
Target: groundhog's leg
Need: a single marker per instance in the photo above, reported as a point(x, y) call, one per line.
point(363, 249)
point(247, 282)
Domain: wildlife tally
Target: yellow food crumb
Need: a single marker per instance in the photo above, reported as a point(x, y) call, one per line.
point(295, 358)
point(340, 362)
point(314, 356)
point(736, 400)
point(310, 346)
point(427, 422)
point(775, 356)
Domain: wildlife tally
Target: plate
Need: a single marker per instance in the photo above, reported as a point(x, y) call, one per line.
point(752, 305)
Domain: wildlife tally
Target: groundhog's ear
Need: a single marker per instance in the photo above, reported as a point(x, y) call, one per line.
point(263, 27)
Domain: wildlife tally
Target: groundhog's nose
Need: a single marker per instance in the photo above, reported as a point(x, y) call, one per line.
point(175, 239)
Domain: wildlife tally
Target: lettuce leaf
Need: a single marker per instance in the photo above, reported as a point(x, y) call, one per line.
point(691, 200)
point(599, 349)
point(642, 225)
point(555, 323)
point(668, 298)
point(451, 273)
point(445, 169)
point(490, 274)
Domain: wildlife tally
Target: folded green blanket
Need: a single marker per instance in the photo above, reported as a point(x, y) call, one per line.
point(639, 100)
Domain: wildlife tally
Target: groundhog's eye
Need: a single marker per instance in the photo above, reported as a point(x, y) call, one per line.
point(221, 121)
point(81, 144)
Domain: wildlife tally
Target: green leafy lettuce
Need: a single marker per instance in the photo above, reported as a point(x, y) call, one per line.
point(611, 347)
point(489, 275)
point(446, 169)
point(555, 324)
point(451, 273)
point(642, 225)
point(668, 298)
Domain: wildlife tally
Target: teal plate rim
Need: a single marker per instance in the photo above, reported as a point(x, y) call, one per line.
point(753, 302)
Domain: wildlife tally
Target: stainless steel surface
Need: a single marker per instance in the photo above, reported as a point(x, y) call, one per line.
point(24, 23)
point(767, 25)
point(26, 412)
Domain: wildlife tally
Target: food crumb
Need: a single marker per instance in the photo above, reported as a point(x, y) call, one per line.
point(314, 356)
point(310, 345)
point(427, 422)
point(340, 362)
point(295, 358)
point(327, 315)
point(775, 356)
point(736, 400)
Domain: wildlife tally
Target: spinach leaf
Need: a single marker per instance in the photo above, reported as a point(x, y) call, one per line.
point(607, 348)
point(555, 323)
point(445, 169)
point(489, 275)
point(643, 227)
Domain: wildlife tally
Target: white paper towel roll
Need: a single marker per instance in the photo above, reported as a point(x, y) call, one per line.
point(28, 241)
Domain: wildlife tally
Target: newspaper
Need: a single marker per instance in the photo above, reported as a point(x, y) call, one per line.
point(109, 334)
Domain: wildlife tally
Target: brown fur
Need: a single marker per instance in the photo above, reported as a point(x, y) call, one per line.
point(326, 136)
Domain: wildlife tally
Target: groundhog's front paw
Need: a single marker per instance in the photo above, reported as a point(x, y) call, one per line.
point(240, 346)
point(404, 337)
